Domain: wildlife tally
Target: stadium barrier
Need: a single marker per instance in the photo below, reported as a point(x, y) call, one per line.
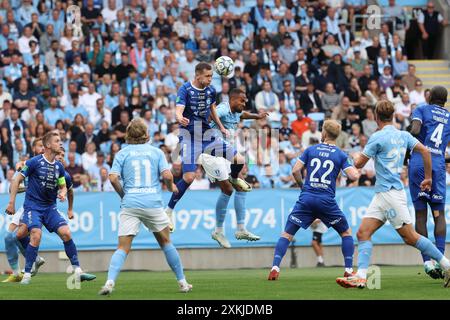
point(95, 224)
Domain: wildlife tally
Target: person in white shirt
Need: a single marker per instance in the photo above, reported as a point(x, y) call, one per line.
point(199, 183)
point(311, 136)
point(404, 107)
point(187, 68)
point(183, 27)
point(332, 21)
point(101, 114)
point(267, 100)
point(171, 140)
point(89, 100)
point(109, 12)
point(104, 184)
point(24, 41)
point(417, 96)
point(89, 158)
point(4, 95)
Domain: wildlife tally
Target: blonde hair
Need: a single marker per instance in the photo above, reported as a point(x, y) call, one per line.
point(332, 128)
point(384, 110)
point(137, 132)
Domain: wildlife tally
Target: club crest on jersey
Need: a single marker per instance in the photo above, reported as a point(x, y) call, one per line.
point(208, 101)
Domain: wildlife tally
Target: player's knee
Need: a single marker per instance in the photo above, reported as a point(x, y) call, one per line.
point(287, 236)
point(189, 177)
point(226, 188)
point(64, 233)
point(35, 236)
point(346, 233)
point(362, 235)
point(22, 233)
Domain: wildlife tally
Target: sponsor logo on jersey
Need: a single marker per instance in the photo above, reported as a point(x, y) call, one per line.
point(295, 219)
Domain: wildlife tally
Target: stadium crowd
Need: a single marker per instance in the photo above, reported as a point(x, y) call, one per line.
point(298, 61)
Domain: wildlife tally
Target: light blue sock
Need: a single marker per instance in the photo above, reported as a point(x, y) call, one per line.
point(174, 261)
point(428, 248)
point(221, 209)
point(117, 261)
point(11, 250)
point(364, 254)
point(239, 206)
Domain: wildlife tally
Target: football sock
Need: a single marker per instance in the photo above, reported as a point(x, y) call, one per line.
point(440, 243)
point(71, 252)
point(364, 255)
point(182, 187)
point(11, 251)
point(174, 261)
point(239, 207)
point(347, 250)
point(319, 259)
point(221, 209)
point(117, 261)
point(30, 257)
point(428, 248)
point(235, 169)
point(280, 251)
point(23, 244)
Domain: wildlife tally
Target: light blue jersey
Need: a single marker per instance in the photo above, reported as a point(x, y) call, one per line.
point(229, 119)
point(140, 167)
point(388, 147)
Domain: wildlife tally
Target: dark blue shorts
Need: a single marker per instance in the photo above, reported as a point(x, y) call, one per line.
point(210, 142)
point(49, 217)
point(308, 208)
point(434, 198)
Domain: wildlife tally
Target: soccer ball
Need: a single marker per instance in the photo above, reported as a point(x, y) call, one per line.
point(224, 66)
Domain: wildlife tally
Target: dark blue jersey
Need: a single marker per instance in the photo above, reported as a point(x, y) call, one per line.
point(197, 104)
point(323, 163)
point(44, 179)
point(434, 134)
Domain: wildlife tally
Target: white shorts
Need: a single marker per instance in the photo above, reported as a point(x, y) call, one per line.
point(155, 219)
point(17, 216)
point(390, 206)
point(319, 227)
point(216, 168)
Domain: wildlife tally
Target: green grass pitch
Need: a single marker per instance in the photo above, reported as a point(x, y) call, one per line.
point(307, 283)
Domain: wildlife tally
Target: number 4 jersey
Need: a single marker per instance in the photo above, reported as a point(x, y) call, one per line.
point(323, 163)
point(434, 134)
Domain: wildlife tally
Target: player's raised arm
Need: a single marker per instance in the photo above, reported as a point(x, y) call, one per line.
point(13, 192)
point(297, 172)
point(255, 116)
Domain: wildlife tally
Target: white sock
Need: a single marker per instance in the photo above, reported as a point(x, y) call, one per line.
point(219, 229)
point(445, 264)
point(27, 275)
point(362, 273)
point(169, 210)
point(349, 270)
point(77, 269)
point(320, 259)
point(182, 282)
point(429, 264)
point(109, 283)
point(241, 227)
point(16, 272)
point(276, 268)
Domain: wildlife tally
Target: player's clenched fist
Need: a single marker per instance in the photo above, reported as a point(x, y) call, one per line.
point(10, 209)
point(426, 185)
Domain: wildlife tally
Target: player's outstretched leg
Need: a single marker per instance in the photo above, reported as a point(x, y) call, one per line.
point(182, 186)
point(173, 258)
point(236, 166)
point(12, 255)
point(22, 241)
point(280, 249)
point(221, 212)
point(426, 247)
point(239, 207)
point(365, 232)
point(72, 253)
point(117, 261)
